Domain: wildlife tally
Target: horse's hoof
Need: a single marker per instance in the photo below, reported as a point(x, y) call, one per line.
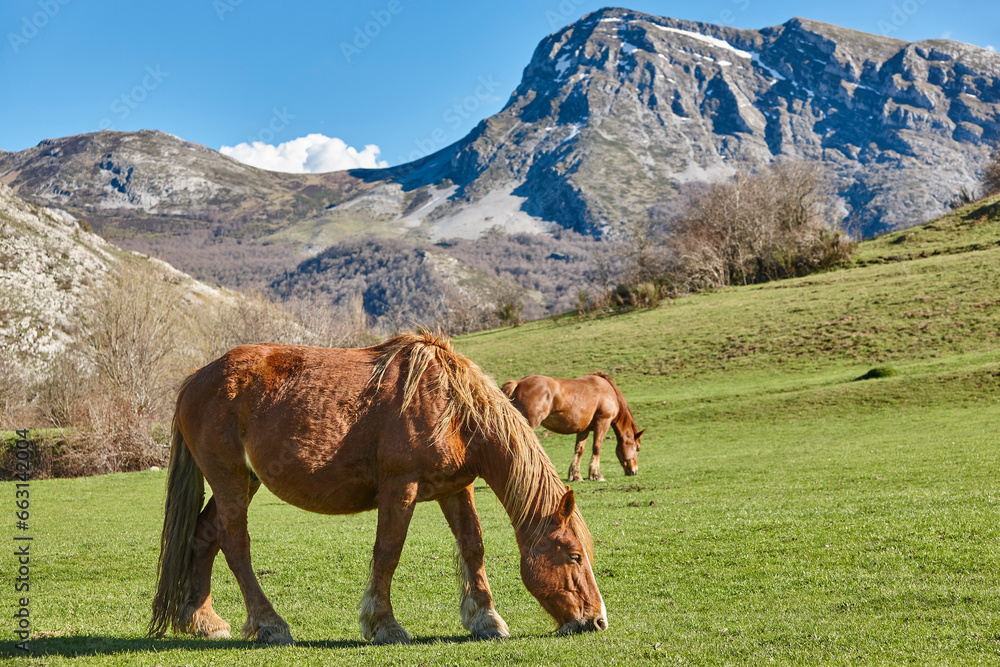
point(208, 624)
point(275, 636)
point(392, 635)
point(597, 478)
point(492, 633)
point(575, 477)
point(488, 625)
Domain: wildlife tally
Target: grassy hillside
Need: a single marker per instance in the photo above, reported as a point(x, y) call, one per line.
point(785, 511)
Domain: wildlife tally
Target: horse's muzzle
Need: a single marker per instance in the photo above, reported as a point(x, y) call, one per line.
point(631, 472)
point(584, 625)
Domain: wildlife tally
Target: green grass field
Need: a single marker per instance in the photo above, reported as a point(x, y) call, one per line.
point(785, 511)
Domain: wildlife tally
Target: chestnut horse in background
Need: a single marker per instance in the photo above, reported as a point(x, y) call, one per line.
point(342, 431)
point(580, 405)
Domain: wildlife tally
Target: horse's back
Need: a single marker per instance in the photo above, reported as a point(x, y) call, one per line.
point(289, 413)
point(532, 395)
point(570, 405)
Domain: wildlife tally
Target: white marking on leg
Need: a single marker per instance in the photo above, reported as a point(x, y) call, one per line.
point(366, 613)
point(482, 622)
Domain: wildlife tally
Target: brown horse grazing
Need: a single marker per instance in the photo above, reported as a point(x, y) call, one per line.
point(580, 405)
point(342, 431)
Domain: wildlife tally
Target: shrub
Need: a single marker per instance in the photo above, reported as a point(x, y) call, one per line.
point(509, 313)
point(130, 325)
point(991, 174)
point(249, 318)
point(117, 437)
point(646, 294)
point(108, 435)
point(760, 225)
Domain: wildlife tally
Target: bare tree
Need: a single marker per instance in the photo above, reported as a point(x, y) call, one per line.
point(250, 318)
point(991, 174)
point(467, 313)
point(12, 394)
point(642, 250)
point(130, 325)
point(335, 326)
point(761, 224)
point(62, 395)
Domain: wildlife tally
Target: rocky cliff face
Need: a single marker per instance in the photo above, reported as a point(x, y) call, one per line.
point(48, 262)
point(617, 110)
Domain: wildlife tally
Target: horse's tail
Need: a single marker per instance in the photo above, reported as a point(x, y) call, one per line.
point(185, 494)
point(509, 387)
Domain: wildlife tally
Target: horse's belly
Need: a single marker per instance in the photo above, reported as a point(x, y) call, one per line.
point(344, 497)
point(318, 479)
point(565, 424)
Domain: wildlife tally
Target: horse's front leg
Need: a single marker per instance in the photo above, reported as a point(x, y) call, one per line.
point(478, 614)
point(395, 509)
point(600, 430)
point(574, 467)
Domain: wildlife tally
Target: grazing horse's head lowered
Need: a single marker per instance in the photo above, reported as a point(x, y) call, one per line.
point(627, 451)
point(557, 569)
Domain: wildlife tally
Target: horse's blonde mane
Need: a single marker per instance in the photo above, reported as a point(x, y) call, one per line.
point(476, 405)
point(624, 419)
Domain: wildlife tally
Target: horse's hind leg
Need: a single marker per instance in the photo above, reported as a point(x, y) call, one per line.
point(478, 615)
point(574, 467)
point(232, 499)
point(204, 620)
point(395, 509)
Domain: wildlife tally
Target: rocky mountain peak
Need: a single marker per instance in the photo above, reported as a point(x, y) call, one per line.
point(617, 110)
point(613, 116)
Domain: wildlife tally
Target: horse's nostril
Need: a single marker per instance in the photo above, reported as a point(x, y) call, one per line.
point(602, 624)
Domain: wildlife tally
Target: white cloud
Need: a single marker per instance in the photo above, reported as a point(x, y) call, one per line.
point(311, 154)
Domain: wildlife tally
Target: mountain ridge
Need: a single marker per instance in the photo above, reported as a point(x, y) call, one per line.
point(614, 115)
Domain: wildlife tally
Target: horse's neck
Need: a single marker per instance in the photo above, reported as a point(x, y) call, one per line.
point(617, 429)
point(495, 465)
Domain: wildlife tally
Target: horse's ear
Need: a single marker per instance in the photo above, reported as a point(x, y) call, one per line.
point(639, 434)
point(566, 506)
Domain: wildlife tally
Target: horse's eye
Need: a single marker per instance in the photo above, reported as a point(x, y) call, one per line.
point(575, 558)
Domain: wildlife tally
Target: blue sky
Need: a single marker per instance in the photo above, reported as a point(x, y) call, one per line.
point(226, 72)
